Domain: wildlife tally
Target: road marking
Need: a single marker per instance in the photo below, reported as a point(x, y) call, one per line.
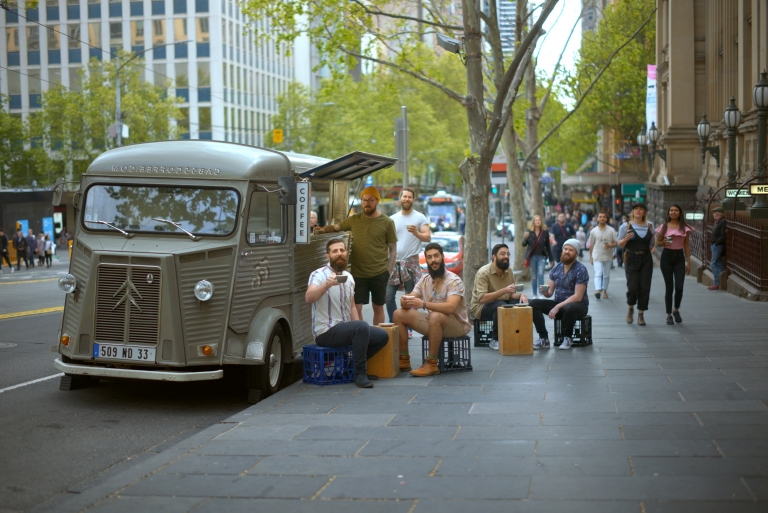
point(32, 312)
point(28, 281)
point(31, 382)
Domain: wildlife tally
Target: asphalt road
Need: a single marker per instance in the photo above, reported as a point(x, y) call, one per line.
point(54, 442)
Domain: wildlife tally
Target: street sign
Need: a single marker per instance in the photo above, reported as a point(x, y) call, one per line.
point(758, 189)
point(498, 177)
point(277, 135)
point(743, 193)
point(369, 180)
point(632, 188)
point(694, 216)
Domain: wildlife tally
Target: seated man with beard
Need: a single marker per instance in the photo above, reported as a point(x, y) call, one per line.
point(568, 282)
point(335, 323)
point(495, 287)
point(435, 308)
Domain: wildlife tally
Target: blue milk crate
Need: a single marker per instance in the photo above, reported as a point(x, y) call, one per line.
point(328, 365)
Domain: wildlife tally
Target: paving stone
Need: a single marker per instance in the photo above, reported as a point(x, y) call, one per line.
point(688, 466)
point(492, 408)
point(467, 487)
point(639, 488)
point(738, 418)
point(593, 418)
point(195, 464)
point(349, 466)
point(233, 505)
point(445, 448)
point(702, 507)
point(419, 418)
point(296, 419)
point(523, 506)
point(125, 504)
point(186, 485)
point(279, 447)
point(535, 466)
point(626, 448)
point(595, 432)
point(379, 433)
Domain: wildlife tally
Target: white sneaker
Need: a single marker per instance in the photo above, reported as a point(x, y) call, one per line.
point(567, 343)
point(410, 333)
point(541, 343)
point(494, 344)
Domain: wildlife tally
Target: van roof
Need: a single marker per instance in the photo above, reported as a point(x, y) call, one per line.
point(201, 159)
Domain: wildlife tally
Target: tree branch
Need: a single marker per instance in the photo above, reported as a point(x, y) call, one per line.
point(448, 91)
point(496, 138)
point(509, 75)
point(379, 12)
point(532, 151)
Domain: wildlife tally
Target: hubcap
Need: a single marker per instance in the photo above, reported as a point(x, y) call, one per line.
point(275, 361)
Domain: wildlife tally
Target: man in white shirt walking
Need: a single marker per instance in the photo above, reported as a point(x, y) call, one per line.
point(602, 240)
point(335, 321)
point(412, 229)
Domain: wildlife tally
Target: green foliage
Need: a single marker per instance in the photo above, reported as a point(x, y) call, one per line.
point(20, 164)
point(617, 101)
point(345, 116)
point(75, 124)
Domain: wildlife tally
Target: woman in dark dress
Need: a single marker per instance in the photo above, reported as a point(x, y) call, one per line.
point(539, 250)
point(638, 242)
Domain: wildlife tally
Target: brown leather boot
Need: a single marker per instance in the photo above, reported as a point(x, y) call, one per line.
point(640, 319)
point(405, 363)
point(429, 368)
point(630, 315)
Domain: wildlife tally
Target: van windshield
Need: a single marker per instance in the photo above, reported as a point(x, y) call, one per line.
point(132, 207)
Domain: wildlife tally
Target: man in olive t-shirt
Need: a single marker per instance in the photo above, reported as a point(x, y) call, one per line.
point(374, 252)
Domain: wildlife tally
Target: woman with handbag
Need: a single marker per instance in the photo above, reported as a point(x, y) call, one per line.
point(675, 260)
point(539, 250)
point(638, 242)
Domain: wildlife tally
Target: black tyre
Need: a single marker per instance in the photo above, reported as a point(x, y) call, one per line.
point(267, 377)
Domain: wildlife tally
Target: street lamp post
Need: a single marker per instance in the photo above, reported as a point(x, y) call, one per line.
point(732, 120)
point(703, 129)
point(641, 140)
point(759, 209)
point(118, 121)
point(653, 137)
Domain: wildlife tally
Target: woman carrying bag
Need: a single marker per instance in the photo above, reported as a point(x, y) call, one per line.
point(675, 260)
point(539, 249)
point(637, 240)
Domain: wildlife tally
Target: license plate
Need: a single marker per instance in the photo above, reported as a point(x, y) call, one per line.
point(121, 352)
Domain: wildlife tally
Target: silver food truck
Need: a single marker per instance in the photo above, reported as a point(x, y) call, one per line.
point(191, 259)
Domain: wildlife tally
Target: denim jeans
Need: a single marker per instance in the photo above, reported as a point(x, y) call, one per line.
point(365, 340)
point(538, 262)
point(392, 291)
point(716, 265)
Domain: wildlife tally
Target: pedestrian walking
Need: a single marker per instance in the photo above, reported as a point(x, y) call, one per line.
point(675, 262)
point(4, 250)
point(602, 240)
point(637, 240)
point(462, 221)
point(20, 244)
point(31, 247)
point(374, 252)
point(48, 251)
point(582, 238)
point(41, 249)
point(619, 249)
point(561, 231)
point(412, 228)
point(539, 250)
point(718, 247)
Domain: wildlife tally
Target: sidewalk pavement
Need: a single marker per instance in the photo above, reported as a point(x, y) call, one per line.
point(649, 419)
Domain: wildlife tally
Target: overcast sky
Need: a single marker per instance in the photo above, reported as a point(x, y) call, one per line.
point(558, 27)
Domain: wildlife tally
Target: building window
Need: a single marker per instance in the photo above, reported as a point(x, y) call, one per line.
point(115, 8)
point(75, 79)
point(12, 41)
point(115, 37)
point(33, 15)
point(179, 6)
point(73, 9)
point(158, 38)
point(94, 9)
point(204, 114)
point(158, 7)
point(12, 14)
point(137, 8)
point(201, 5)
point(33, 46)
point(94, 38)
point(52, 10)
point(183, 123)
point(180, 37)
point(265, 219)
point(35, 88)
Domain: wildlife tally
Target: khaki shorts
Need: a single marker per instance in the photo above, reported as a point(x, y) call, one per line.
point(454, 328)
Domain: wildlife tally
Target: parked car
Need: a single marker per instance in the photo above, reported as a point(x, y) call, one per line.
point(453, 251)
point(508, 228)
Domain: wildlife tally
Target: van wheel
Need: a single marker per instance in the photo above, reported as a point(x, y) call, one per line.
point(271, 373)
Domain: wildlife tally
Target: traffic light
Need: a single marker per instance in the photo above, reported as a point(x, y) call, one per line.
point(494, 189)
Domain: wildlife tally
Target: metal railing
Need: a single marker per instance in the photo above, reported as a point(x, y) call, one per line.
point(699, 239)
point(744, 249)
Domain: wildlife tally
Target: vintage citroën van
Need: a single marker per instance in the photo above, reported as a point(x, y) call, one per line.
point(191, 259)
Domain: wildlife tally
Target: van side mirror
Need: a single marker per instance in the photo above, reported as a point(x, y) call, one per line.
point(288, 190)
point(58, 192)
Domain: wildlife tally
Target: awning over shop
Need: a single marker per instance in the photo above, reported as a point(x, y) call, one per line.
point(350, 167)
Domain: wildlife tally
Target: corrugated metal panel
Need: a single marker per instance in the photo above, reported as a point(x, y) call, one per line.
point(308, 258)
point(74, 301)
point(265, 271)
point(201, 321)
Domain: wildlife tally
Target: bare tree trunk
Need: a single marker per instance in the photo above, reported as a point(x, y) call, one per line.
point(516, 197)
point(531, 138)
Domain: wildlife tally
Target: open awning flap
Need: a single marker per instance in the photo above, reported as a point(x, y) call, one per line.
point(350, 167)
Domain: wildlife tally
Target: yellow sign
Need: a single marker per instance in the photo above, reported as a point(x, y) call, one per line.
point(758, 189)
point(277, 135)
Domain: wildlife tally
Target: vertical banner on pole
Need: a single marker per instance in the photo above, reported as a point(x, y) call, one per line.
point(302, 213)
point(650, 97)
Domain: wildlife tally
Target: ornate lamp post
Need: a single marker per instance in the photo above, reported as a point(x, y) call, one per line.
point(703, 131)
point(732, 120)
point(759, 208)
point(641, 140)
point(653, 137)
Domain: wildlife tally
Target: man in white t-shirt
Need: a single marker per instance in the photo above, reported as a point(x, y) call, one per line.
point(335, 322)
point(602, 240)
point(412, 229)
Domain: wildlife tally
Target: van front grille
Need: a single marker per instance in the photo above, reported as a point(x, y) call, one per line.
point(128, 304)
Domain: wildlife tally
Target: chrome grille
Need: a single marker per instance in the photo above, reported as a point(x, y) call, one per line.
point(128, 304)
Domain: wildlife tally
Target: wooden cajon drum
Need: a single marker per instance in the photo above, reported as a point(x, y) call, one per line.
point(515, 330)
point(386, 363)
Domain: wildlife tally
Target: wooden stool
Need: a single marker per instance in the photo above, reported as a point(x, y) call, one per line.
point(515, 330)
point(582, 332)
point(386, 363)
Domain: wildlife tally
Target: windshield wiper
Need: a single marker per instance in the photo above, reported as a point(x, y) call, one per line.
point(177, 225)
point(129, 235)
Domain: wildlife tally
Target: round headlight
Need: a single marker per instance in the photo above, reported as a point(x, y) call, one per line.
point(204, 290)
point(67, 283)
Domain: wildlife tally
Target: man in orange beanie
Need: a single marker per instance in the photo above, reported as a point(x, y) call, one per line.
point(374, 252)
